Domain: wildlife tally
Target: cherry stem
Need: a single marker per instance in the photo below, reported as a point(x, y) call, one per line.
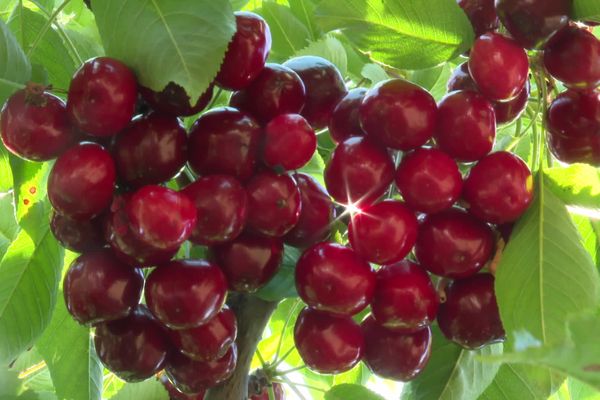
point(282, 359)
point(301, 385)
point(261, 359)
point(271, 393)
point(292, 385)
point(285, 325)
point(289, 371)
point(215, 98)
point(46, 26)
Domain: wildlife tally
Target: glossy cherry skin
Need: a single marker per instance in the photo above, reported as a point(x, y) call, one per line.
point(222, 207)
point(345, 118)
point(508, 111)
point(395, 355)
point(185, 294)
point(175, 394)
point(209, 341)
point(532, 22)
point(289, 143)
point(461, 79)
point(429, 180)
point(35, 126)
point(384, 232)
point(359, 171)
point(102, 96)
point(482, 15)
point(277, 391)
point(324, 84)
point(575, 114)
point(133, 348)
point(250, 261)
point(173, 100)
point(499, 66)
point(276, 90)
point(398, 114)
point(99, 288)
point(274, 203)
point(82, 181)
point(470, 316)
point(575, 149)
point(316, 216)
point(328, 344)
point(224, 141)
point(334, 279)
point(78, 236)
point(499, 188)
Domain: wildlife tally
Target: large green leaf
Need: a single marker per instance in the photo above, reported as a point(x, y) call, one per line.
point(351, 392)
point(304, 10)
point(6, 180)
point(8, 222)
point(577, 184)
point(587, 10)
point(288, 32)
point(515, 381)
point(434, 79)
point(151, 389)
point(589, 230)
point(329, 48)
point(573, 389)
point(15, 68)
point(29, 180)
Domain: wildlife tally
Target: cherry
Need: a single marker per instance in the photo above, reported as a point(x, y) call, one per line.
point(328, 344)
point(82, 181)
point(173, 100)
point(151, 150)
point(575, 114)
point(75, 235)
point(264, 395)
point(133, 348)
point(209, 341)
point(184, 294)
point(482, 15)
point(250, 261)
point(34, 125)
point(575, 149)
point(395, 355)
point(224, 141)
point(247, 52)
point(290, 142)
point(399, 114)
point(461, 79)
point(454, 244)
point(316, 216)
point(274, 203)
point(324, 85)
point(175, 394)
point(499, 188)
point(345, 118)
point(499, 66)
point(222, 207)
point(508, 111)
point(333, 278)
point(359, 171)
point(384, 232)
point(277, 90)
point(102, 96)
point(470, 316)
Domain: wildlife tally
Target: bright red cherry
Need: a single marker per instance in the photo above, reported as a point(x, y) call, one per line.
point(499, 66)
point(324, 84)
point(482, 15)
point(133, 348)
point(395, 355)
point(222, 207)
point(102, 96)
point(399, 114)
point(78, 236)
point(247, 52)
point(224, 141)
point(508, 111)
point(250, 261)
point(333, 278)
point(290, 142)
point(345, 119)
point(575, 114)
point(454, 244)
point(186, 293)
point(264, 395)
point(499, 188)
point(470, 316)
point(575, 149)
point(328, 344)
point(175, 394)
point(173, 100)
point(359, 171)
point(82, 181)
point(461, 79)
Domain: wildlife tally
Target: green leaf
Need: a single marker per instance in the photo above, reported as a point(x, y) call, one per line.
point(111, 385)
point(282, 285)
point(30, 188)
point(238, 4)
point(406, 34)
point(304, 10)
point(8, 222)
point(150, 389)
point(515, 381)
point(434, 79)
point(586, 10)
point(589, 229)
point(351, 392)
point(180, 41)
point(289, 34)
point(374, 73)
point(573, 389)
point(577, 185)
point(315, 167)
point(330, 49)
point(15, 68)
point(6, 179)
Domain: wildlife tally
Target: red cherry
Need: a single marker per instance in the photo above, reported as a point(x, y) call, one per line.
point(461, 79)
point(575, 114)
point(75, 235)
point(264, 395)
point(102, 96)
point(173, 100)
point(482, 15)
point(345, 119)
point(508, 111)
point(175, 394)
point(399, 114)
point(575, 149)
point(328, 344)
point(333, 278)
point(290, 142)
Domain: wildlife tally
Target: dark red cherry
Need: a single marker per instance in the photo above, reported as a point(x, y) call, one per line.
point(264, 395)
point(499, 188)
point(333, 278)
point(575, 114)
point(274, 203)
point(290, 142)
point(34, 125)
point(82, 181)
point(324, 84)
point(222, 207)
point(454, 244)
point(482, 15)
point(395, 355)
point(224, 141)
point(429, 180)
point(384, 232)
point(175, 394)
point(499, 66)
point(399, 114)
point(359, 171)
point(508, 111)
point(78, 235)
point(250, 261)
point(173, 100)
point(328, 344)
point(133, 348)
point(102, 96)
point(470, 316)
point(575, 149)
point(247, 52)
point(461, 79)
point(277, 90)
point(186, 293)
point(209, 341)
point(316, 216)
point(345, 119)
